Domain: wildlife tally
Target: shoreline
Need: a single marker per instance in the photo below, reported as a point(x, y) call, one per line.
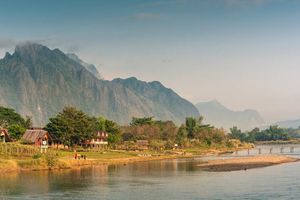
point(245, 163)
point(63, 163)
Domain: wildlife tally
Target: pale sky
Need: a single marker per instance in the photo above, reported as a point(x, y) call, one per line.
point(244, 53)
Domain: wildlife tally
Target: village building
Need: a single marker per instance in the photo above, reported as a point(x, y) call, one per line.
point(37, 136)
point(100, 141)
point(4, 136)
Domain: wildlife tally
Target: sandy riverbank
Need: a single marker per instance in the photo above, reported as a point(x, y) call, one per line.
point(244, 163)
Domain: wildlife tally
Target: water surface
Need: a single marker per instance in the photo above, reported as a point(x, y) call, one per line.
point(168, 179)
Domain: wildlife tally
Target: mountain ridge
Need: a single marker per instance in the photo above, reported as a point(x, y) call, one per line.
point(39, 82)
point(220, 116)
point(90, 67)
point(289, 123)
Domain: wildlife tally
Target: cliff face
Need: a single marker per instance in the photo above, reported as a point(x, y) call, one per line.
point(39, 82)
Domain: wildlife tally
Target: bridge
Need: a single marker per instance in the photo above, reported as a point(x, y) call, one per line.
point(270, 149)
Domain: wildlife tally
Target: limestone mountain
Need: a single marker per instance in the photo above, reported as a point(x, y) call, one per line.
point(165, 101)
point(38, 82)
point(289, 123)
point(90, 67)
point(220, 116)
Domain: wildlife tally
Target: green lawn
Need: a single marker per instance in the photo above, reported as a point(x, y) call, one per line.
point(100, 155)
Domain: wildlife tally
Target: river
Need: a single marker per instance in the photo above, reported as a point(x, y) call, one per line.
point(176, 179)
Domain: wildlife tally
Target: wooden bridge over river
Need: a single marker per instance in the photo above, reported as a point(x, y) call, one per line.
point(270, 149)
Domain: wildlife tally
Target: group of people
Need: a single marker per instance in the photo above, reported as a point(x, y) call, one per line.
point(79, 156)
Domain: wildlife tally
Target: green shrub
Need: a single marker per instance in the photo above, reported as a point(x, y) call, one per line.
point(37, 156)
point(51, 159)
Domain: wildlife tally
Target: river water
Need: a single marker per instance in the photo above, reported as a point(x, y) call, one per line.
point(169, 179)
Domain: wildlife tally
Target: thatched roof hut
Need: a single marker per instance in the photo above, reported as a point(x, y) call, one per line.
point(36, 136)
point(4, 136)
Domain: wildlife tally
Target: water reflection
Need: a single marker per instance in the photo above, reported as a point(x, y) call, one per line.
point(169, 179)
point(43, 182)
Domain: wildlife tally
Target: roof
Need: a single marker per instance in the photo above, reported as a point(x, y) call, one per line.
point(3, 131)
point(102, 134)
point(33, 135)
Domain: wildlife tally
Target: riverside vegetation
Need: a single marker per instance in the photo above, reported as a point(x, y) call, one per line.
point(71, 127)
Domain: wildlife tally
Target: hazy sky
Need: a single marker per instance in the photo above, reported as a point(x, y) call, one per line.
point(244, 53)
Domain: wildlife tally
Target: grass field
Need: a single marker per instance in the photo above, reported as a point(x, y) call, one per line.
point(61, 159)
point(100, 155)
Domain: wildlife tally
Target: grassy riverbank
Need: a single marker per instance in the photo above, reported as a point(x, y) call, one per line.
point(65, 159)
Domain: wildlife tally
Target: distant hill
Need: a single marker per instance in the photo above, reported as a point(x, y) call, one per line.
point(39, 82)
point(289, 123)
point(220, 116)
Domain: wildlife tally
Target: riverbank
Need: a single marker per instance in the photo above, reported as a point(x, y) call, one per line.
point(244, 163)
point(65, 160)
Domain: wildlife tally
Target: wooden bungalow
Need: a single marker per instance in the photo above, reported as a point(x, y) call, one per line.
point(99, 141)
point(4, 136)
point(37, 136)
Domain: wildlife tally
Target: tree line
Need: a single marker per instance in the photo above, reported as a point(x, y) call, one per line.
point(273, 133)
point(72, 127)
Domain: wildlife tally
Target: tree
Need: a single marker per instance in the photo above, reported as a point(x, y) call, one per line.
point(99, 124)
point(9, 117)
point(190, 124)
point(168, 130)
point(195, 126)
point(277, 133)
point(114, 138)
point(181, 135)
point(71, 126)
point(236, 133)
point(14, 122)
point(142, 121)
point(114, 132)
point(252, 135)
point(16, 131)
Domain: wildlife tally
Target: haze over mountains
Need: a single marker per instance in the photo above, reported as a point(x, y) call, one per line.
point(39, 82)
point(220, 116)
point(289, 123)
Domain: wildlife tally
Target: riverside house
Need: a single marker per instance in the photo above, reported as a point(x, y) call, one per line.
point(99, 142)
point(37, 136)
point(4, 137)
